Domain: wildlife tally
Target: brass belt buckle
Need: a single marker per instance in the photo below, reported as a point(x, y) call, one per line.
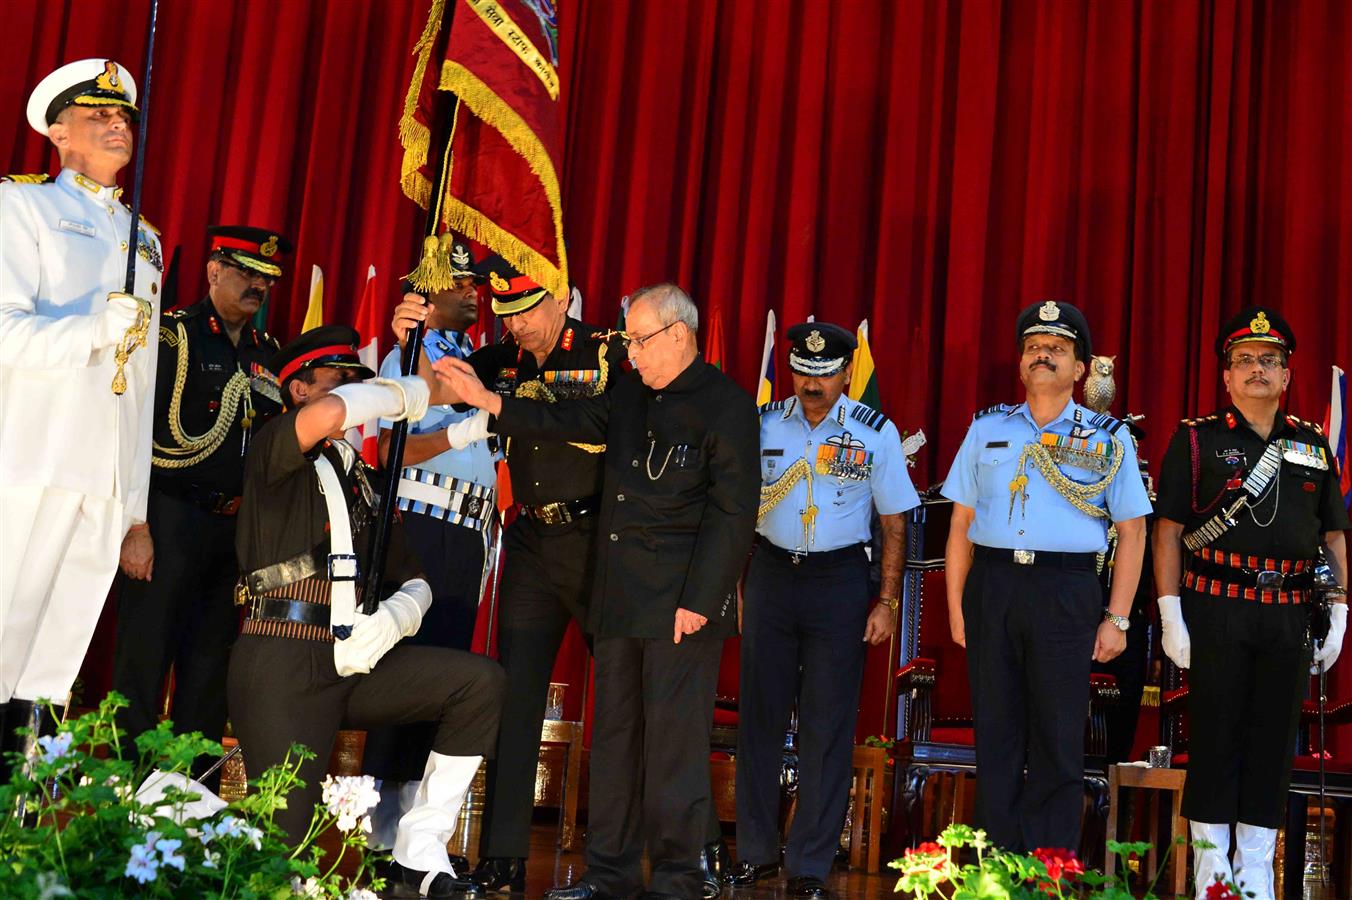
point(1268, 580)
point(1024, 557)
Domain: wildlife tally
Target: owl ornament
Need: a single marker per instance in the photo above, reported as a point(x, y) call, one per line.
point(1099, 388)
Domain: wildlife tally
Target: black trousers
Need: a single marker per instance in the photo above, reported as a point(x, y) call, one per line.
point(184, 616)
point(650, 763)
point(811, 616)
point(1030, 641)
point(1250, 668)
point(546, 581)
point(284, 691)
point(453, 558)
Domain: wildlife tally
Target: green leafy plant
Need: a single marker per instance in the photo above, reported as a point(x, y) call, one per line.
point(931, 870)
point(83, 831)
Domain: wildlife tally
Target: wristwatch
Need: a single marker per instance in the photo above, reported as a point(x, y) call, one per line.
point(1122, 623)
point(890, 602)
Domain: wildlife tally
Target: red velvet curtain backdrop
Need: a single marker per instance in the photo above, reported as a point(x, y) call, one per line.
point(932, 166)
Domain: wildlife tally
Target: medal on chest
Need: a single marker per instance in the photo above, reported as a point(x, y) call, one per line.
point(1311, 456)
point(842, 456)
point(149, 249)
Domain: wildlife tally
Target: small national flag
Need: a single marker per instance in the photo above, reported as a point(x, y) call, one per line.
point(765, 387)
point(863, 379)
point(314, 313)
point(1336, 429)
point(715, 349)
point(368, 324)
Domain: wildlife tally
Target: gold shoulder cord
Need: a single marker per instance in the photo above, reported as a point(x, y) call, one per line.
point(192, 449)
point(536, 390)
point(771, 495)
point(1076, 493)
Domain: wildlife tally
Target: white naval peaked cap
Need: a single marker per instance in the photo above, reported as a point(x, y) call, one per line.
point(85, 82)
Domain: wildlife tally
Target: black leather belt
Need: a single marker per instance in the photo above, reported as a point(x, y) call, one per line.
point(219, 503)
point(563, 511)
point(1043, 558)
point(1263, 579)
point(288, 571)
point(825, 557)
point(280, 609)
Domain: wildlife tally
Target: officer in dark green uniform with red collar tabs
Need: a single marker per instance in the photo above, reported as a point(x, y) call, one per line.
point(1248, 496)
point(212, 391)
point(550, 548)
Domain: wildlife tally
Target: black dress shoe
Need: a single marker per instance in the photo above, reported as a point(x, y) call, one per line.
point(808, 886)
point(715, 862)
point(459, 863)
point(501, 874)
point(746, 874)
point(405, 882)
point(578, 890)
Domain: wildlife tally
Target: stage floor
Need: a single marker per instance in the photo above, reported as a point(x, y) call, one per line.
point(549, 866)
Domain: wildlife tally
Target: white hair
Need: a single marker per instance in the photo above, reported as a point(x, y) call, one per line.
point(670, 304)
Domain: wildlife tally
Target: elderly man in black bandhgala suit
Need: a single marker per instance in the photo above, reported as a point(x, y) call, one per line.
point(678, 512)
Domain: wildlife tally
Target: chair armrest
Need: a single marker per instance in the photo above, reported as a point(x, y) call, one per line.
point(918, 674)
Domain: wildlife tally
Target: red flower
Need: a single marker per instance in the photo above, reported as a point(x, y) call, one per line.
point(926, 857)
point(1219, 890)
point(1059, 863)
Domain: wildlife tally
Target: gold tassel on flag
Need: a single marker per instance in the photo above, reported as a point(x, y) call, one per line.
point(433, 273)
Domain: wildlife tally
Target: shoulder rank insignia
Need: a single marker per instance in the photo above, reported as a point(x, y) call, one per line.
point(1106, 422)
point(997, 408)
point(869, 416)
point(1200, 420)
point(27, 179)
point(772, 406)
point(149, 227)
point(1301, 423)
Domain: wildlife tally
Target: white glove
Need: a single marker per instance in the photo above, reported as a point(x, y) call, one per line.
point(468, 430)
point(395, 399)
point(1333, 644)
point(1177, 644)
point(397, 617)
point(116, 318)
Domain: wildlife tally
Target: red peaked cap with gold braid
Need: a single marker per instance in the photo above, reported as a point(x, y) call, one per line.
point(1257, 323)
point(512, 292)
point(257, 249)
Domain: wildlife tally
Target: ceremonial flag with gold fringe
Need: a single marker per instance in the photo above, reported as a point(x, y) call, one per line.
point(498, 59)
point(314, 312)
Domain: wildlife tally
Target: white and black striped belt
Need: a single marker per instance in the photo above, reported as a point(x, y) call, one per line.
point(455, 500)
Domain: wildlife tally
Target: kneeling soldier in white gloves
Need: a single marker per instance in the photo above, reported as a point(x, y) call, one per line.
point(308, 662)
point(1247, 497)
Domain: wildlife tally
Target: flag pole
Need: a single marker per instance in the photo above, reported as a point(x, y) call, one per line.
point(394, 463)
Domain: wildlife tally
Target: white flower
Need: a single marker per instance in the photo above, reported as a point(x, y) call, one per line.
point(229, 826)
point(51, 885)
point(142, 864)
point(168, 857)
point(210, 858)
point(361, 894)
point(349, 797)
point(311, 887)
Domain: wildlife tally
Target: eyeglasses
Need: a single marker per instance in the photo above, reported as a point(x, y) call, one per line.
point(250, 274)
point(1268, 361)
point(641, 342)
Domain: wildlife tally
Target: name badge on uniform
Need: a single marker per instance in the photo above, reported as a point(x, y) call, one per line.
point(1309, 455)
point(1232, 456)
point(777, 451)
point(996, 445)
point(505, 383)
point(76, 227)
point(844, 457)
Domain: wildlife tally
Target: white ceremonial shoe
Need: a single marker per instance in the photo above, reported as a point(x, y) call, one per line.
point(1209, 864)
point(1254, 848)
